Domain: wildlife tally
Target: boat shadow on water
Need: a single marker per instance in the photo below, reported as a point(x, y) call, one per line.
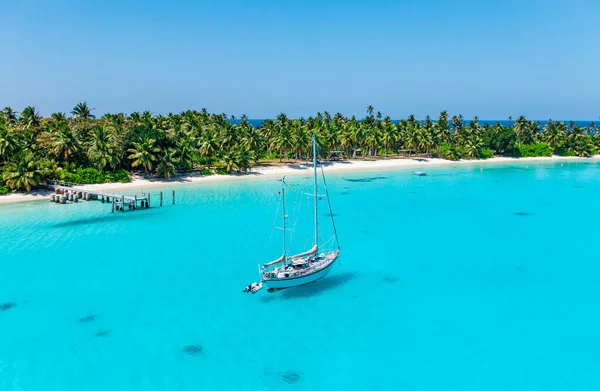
point(323, 285)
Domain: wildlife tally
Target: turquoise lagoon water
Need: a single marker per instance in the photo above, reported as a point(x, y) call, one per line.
point(469, 278)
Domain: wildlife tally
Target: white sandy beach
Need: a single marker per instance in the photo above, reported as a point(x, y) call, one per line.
point(295, 169)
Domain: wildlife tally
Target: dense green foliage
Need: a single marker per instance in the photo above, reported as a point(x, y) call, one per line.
point(4, 190)
point(86, 149)
point(532, 150)
point(91, 176)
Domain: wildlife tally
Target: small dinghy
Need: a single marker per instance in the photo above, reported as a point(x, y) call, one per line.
point(419, 173)
point(253, 288)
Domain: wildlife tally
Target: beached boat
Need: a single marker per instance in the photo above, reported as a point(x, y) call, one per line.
point(309, 266)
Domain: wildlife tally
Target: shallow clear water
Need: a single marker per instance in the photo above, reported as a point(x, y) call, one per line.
point(466, 279)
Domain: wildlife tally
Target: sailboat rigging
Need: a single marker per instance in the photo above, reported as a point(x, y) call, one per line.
point(308, 266)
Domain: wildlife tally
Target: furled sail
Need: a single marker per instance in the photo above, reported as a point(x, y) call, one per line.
point(310, 252)
point(275, 262)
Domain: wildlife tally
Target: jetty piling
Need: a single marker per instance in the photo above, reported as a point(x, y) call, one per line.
point(64, 192)
point(68, 192)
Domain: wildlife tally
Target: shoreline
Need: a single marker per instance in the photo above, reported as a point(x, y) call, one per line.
point(295, 169)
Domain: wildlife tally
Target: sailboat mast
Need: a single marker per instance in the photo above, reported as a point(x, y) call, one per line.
point(316, 238)
point(283, 214)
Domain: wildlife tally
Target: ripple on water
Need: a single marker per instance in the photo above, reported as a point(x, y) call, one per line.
point(102, 333)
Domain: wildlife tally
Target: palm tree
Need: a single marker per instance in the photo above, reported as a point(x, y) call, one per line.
point(552, 136)
point(29, 118)
point(165, 168)
point(242, 159)
point(473, 146)
point(300, 139)
point(329, 137)
point(372, 140)
point(208, 144)
point(135, 117)
point(82, 110)
point(9, 143)
point(442, 129)
point(251, 139)
point(64, 142)
point(458, 125)
point(388, 135)
point(102, 151)
point(228, 160)
point(229, 136)
point(346, 142)
point(25, 174)
point(9, 114)
point(144, 154)
point(185, 148)
point(284, 141)
point(520, 126)
point(58, 117)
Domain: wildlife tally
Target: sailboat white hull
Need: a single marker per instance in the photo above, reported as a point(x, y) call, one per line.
point(282, 282)
point(306, 267)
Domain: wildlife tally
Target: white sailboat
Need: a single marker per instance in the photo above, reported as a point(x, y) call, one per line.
point(309, 266)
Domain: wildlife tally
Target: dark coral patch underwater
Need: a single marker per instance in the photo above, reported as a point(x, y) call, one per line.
point(88, 319)
point(193, 350)
point(292, 377)
point(522, 214)
point(366, 180)
point(7, 306)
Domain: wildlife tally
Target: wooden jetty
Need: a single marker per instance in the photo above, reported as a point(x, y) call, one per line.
point(65, 192)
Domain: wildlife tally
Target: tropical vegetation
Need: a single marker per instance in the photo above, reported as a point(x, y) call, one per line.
point(84, 149)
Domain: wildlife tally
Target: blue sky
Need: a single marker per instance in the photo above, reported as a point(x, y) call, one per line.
point(487, 58)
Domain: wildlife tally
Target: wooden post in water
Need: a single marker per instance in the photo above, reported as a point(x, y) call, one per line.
point(173, 197)
point(161, 198)
point(123, 203)
point(113, 205)
point(135, 202)
point(148, 201)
